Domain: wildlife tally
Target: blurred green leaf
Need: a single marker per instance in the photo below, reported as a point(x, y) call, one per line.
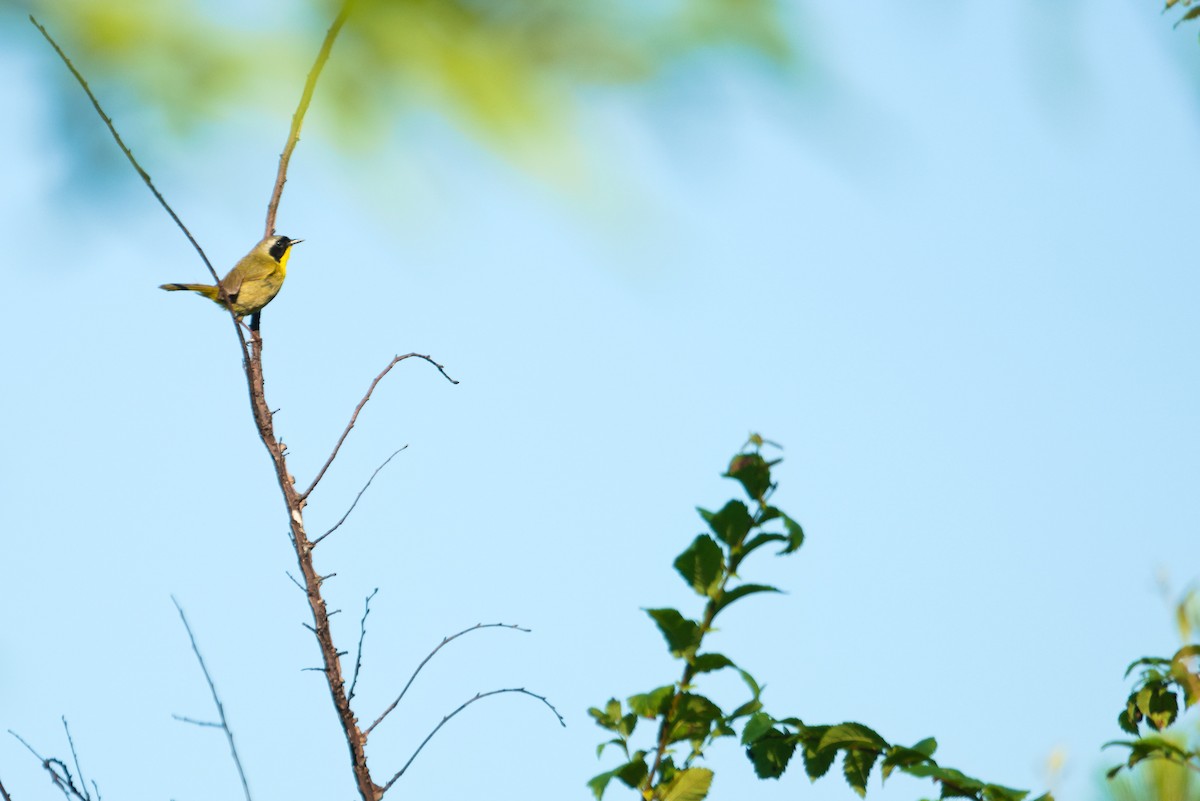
point(753, 472)
point(682, 635)
point(693, 718)
point(770, 753)
point(741, 591)
point(856, 767)
point(653, 703)
point(758, 725)
point(731, 524)
point(702, 565)
point(708, 663)
point(852, 735)
point(689, 785)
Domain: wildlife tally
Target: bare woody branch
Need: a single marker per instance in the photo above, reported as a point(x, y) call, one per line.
point(310, 84)
point(212, 688)
point(446, 719)
point(442, 644)
point(4, 793)
point(354, 417)
point(358, 497)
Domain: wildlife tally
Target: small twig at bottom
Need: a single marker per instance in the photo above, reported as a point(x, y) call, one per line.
point(63, 780)
point(4, 793)
point(224, 724)
point(478, 696)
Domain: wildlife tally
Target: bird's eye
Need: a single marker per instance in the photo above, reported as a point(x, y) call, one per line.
point(280, 247)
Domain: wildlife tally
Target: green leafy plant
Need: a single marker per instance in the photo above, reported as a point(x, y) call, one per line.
point(688, 722)
point(1163, 687)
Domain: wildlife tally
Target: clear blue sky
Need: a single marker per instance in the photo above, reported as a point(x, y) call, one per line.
point(957, 282)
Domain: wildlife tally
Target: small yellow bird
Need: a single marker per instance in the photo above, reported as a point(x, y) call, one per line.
point(253, 282)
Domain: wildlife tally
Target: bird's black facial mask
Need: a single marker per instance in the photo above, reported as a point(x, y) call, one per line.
point(280, 247)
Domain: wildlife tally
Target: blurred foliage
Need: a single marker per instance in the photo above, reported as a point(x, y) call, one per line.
point(1163, 763)
point(1190, 14)
point(502, 69)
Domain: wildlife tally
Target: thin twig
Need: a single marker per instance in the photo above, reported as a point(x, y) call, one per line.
point(338, 524)
point(74, 755)
point(310, 84)
point(205, 723)
point(304, 495)
point(362, 633)
point(424, 661)
point(124, 149)
point(294, 581)
point(216, 699)
point(477, 697)
point(4, 793)
point(145, 176)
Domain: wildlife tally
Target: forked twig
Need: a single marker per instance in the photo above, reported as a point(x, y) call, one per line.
point(425, 661)
point(224, 724)
point(63, 780)
point(354, 417)
point(362, 633)
point(310, 84)
point(358, 497)
point(477, 697)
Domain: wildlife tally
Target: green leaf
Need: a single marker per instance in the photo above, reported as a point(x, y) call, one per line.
point(741, 591)
point(816, 762)
point(899, 757)
point(600, 748)
point(852, 735)
point(702, 565)
point(771, 753)
point(708, 663)
point(634, 771)
point(926, 746)
point(955, 784)
point(795, 535)
point(653, 703)
point(759, 540)
point(758, 725)
point(599, 783)
point(1158, 703)
point(753, 472)
point(856, 767)
point(693, 718)
point(1130, 717)
point(610, 717)
point(731, 524)
point(1195, 12)
point(682, 635)
point(689, 785)
point(1145, 661)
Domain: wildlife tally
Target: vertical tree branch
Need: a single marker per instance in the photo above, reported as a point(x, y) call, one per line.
point(310, 85)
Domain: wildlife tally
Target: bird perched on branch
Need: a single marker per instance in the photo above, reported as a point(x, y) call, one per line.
point(253, 282)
